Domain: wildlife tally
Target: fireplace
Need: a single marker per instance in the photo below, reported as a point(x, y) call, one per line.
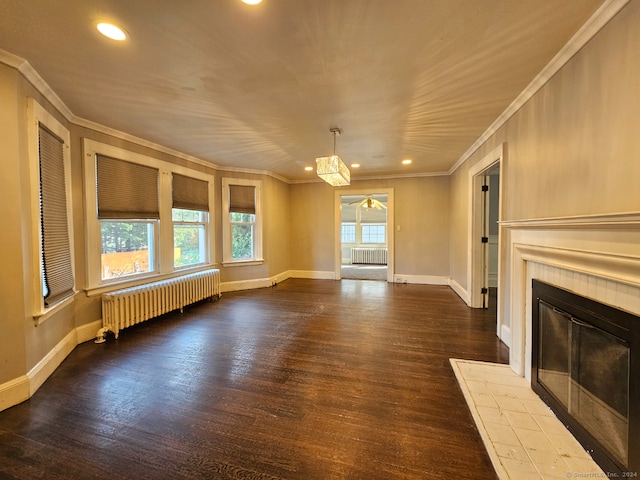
point(585, 366)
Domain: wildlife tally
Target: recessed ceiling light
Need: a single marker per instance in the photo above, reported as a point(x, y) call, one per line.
point(308, 169)
point(252, 2)
point(111, 31)
point(355, 165)
point(406, 161)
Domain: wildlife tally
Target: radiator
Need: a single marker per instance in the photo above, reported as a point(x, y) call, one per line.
point(377, 256)
point(129, 306)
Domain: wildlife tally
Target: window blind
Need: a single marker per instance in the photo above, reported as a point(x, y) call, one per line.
point(242, 199)
point(56, 248)
point(126, 190)
point(190, 193)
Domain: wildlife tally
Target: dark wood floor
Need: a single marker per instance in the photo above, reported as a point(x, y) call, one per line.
point(311, 379)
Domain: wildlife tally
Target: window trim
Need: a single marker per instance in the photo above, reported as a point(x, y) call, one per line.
point(227, 259)
point(363, 225)
point(355, 232)
point(182, 223)
point(36, 116)
point(163, 256)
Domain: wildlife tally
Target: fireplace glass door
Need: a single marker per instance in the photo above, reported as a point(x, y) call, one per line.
point(586, 370)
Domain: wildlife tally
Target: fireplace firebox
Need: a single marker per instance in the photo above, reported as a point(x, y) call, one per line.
point(585, 366)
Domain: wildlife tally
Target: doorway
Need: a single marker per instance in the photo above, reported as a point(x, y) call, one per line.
point(483, 274)
point(364, 234)
point(363, 237)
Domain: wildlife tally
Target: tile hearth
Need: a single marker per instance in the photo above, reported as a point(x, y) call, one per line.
point(522, 435)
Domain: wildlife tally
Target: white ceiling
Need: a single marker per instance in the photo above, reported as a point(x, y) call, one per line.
point(259, 87)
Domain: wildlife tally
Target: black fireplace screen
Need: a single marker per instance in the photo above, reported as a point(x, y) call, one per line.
point(587, 370)
point(585, 366)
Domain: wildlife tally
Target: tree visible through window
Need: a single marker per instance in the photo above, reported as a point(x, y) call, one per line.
point(242, 237)
point(189, 237)
point(125, 248)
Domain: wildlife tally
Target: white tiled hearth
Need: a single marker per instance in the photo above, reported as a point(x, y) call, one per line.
point(523, 437)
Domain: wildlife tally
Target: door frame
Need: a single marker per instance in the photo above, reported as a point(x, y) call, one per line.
point(475, 268)
point(337, 253)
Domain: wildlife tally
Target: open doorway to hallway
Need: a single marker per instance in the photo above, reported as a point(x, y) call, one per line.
point(364, 236)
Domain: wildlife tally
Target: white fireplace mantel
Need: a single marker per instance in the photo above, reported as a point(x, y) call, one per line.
point(595, 256)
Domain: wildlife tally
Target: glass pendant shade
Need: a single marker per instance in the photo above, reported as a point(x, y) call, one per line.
point(333, 170)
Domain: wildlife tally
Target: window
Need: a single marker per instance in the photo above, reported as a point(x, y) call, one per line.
point(52, 244)
point(373, 233)
point(190, 216)
point(348, 234)
point(128, 211)
point(242, 223)
point(189, 237)
point(127, 248)
point(144, 217)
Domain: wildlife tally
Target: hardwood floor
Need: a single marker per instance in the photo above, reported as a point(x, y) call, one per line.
point(311, 379)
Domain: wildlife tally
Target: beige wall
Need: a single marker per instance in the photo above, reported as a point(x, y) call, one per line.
point(572, 149)
point(13, 313)
point(421, 211)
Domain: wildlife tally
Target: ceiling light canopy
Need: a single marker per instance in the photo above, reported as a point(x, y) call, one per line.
point(112, 31)
point(332, 169)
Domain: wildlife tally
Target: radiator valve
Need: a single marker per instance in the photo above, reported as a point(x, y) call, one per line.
point(101, 336)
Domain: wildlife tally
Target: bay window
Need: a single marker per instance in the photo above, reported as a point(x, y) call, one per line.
point(145, 217)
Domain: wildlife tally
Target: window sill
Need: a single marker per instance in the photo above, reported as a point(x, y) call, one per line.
point(40, 317)
point(243, 263)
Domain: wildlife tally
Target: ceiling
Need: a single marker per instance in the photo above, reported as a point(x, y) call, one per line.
point(259, 87)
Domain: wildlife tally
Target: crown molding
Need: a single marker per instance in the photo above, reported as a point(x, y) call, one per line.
point(602, 16)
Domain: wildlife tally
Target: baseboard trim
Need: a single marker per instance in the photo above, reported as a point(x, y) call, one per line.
point(52, 360)
point(245, 285)
point(22, 388)
point(88, 331)
point(505, 335)
point(421, 279)
point(462, 292)
point(14, 392)
point(313, 274)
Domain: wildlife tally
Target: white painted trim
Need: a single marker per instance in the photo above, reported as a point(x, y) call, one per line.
point(618, 263)
point(505, 335)
point(163, 260)
point(88, 331)
point(391, 227)
point(22, 388)
point(462, 292)
point(421, 279)
point(245, 285)
point(52, 360)
point(474, 221)
point(37, 116)
point(227, 259)
point(598, 20)
point(609, 220)
point(313, 274)
point(14, 392)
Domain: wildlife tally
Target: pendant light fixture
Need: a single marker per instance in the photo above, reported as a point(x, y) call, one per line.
point(332, 169)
